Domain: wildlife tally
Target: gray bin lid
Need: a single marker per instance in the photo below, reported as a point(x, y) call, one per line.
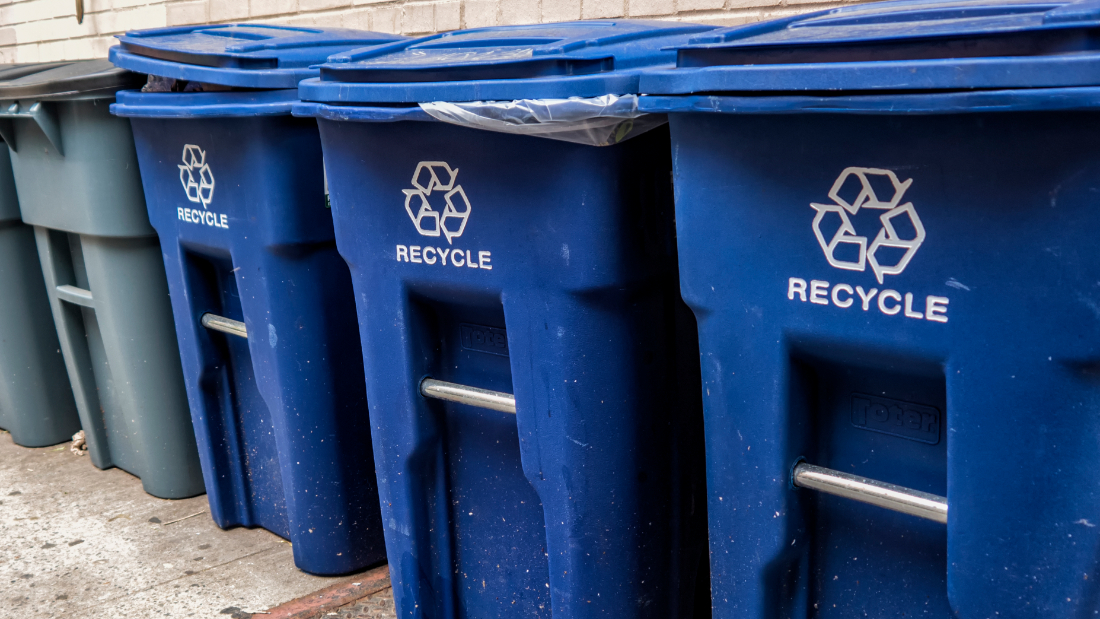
point(68, 80)
point(14, 71)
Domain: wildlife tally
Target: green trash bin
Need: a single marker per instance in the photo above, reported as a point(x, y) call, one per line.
point(36, 402)
point(77, 177)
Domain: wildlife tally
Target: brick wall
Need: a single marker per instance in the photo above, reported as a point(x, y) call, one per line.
point(44, 30)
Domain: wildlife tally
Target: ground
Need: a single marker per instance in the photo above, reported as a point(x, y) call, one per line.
point(80, 542)
point(378, 606)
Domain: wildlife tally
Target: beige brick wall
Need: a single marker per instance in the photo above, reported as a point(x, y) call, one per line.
point(44, 30)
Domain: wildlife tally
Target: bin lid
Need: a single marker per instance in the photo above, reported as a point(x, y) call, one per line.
point(70, 80)
point(897, 45)
point(245, 56)
point(13, 71)
point(588, 58)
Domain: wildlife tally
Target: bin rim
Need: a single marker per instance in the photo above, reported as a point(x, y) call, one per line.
point(230, 104)
point(896, 45)
point(892, 104)
point(503, 63)
point(949, 74)
point(240, 55)
point(209, 75)
point(336, 93)
point(361, 112)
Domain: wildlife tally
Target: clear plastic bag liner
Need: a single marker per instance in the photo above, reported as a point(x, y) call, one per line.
point(599, 121)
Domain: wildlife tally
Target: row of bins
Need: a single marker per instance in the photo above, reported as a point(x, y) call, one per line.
point(610, 288)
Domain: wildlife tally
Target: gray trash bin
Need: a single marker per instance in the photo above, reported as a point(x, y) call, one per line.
point(36, 402)
point(76, 173)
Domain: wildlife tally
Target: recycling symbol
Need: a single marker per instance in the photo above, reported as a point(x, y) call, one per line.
point(195, 175)
point(853, 180)
point(428, 180)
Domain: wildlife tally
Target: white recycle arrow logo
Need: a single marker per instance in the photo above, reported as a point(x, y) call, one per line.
point(194, 164)
point(887, 236)
point(427, 180)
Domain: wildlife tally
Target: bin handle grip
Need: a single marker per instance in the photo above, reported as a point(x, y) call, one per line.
point(43, 114)
point(75, 295)
point(474, 396)
point(56, 256)
point(223, 324)
point(870, 491)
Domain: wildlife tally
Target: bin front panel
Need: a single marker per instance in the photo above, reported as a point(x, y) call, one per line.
point(121, 355)
point(281, 417)
point(546, 270)
point(79, 189)
point(233, 423)
point(909, 299)
point(36, 402)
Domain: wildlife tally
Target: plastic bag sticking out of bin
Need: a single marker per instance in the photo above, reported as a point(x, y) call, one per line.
point(891, 249)
point(595, 121)
point(532, 370)
point(263, 302)
point(36, 401)
point(76, 175)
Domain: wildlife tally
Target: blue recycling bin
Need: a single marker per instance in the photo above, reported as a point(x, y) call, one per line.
point(531, 368)
point(886, 216)
point(262, 300)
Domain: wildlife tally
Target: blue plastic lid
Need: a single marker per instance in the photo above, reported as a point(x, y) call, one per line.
point(899, 45)
point(879, 104)
point(588, 58)
point(246, 56)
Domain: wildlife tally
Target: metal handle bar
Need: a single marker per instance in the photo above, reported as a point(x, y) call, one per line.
point(225, 325)
point(453, 392)
point(882, 494)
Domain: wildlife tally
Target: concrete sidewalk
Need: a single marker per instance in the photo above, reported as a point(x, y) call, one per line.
point(77, 542)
